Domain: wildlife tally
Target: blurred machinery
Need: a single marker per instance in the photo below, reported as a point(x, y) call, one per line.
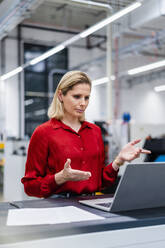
point(2, 161)
point(157, 148)
point(14, 169)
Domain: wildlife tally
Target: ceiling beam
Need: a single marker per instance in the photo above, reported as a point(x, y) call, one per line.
point(14, 12)
point(150, 11)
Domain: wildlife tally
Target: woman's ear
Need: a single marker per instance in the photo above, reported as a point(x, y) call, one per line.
point(60, 96)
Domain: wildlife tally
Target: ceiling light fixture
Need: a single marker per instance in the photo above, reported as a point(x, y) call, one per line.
point(83, 34)
point(11, 73)
point(146, 67)
point(71, 40)
point(110, 19)
point(47, 54)
point(28, 102)
point(102, 80)
point(40, 112)
point(92, 3)
point(159, 88)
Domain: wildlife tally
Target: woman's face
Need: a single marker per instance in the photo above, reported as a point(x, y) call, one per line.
point(76, 100)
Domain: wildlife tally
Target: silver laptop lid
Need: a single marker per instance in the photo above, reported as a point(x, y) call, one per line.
point(142, 186)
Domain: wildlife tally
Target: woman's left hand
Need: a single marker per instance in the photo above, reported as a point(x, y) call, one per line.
point(130, 152)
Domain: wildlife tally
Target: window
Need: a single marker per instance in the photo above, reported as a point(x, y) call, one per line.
point(40, 83)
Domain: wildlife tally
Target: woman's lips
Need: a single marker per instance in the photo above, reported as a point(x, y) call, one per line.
point(80, 110)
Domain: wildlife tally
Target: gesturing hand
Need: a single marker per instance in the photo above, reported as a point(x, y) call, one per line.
point(130, 152)
point(69, 174)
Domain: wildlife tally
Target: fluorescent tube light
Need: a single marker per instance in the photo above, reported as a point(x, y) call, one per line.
point(28, 102)
point(11, 73)
point(110, 19)
point(146, 67)
point(102, 80)
point(159, 88)
point(92, 3)
point(113, 77)
point(47, 54)
point(71, 40)
point(40, 112)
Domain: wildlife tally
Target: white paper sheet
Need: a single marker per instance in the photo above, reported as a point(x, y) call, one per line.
point(39, 216)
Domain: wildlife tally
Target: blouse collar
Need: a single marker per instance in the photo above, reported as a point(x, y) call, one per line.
point(59, 124)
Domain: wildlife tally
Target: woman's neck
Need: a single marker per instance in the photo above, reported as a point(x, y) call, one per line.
point(74, 123)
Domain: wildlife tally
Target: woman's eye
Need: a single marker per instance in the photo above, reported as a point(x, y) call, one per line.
point(76, 96)
point(79, 96)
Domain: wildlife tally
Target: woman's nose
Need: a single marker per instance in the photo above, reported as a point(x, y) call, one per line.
point(82, 101)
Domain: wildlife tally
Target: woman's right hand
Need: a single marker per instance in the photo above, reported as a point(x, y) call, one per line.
point(69, 174)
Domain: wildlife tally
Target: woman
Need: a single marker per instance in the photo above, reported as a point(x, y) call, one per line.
point(66, 154)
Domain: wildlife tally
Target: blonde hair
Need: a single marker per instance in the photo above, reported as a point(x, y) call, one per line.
point(66, 83)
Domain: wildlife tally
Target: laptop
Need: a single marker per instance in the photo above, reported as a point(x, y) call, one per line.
point(141, 186)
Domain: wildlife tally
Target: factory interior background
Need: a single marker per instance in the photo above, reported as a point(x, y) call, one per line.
point(125, 59)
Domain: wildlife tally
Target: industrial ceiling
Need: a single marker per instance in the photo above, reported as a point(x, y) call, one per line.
point(142, 32)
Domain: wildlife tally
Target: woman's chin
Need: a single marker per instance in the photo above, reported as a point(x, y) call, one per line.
point(79, 113)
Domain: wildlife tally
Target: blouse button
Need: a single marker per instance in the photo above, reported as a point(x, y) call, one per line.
point(83, 162)
point(81, 148)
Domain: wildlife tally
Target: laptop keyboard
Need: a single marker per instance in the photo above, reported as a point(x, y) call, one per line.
point(105, 204)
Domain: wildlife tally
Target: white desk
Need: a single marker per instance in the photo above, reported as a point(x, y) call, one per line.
point(141, 237)
point(136, 229)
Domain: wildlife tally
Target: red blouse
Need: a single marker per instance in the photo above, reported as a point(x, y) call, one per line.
point(50, 146)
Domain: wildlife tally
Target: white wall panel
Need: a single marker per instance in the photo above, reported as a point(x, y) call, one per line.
point(12, 90)
point(144, 104)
